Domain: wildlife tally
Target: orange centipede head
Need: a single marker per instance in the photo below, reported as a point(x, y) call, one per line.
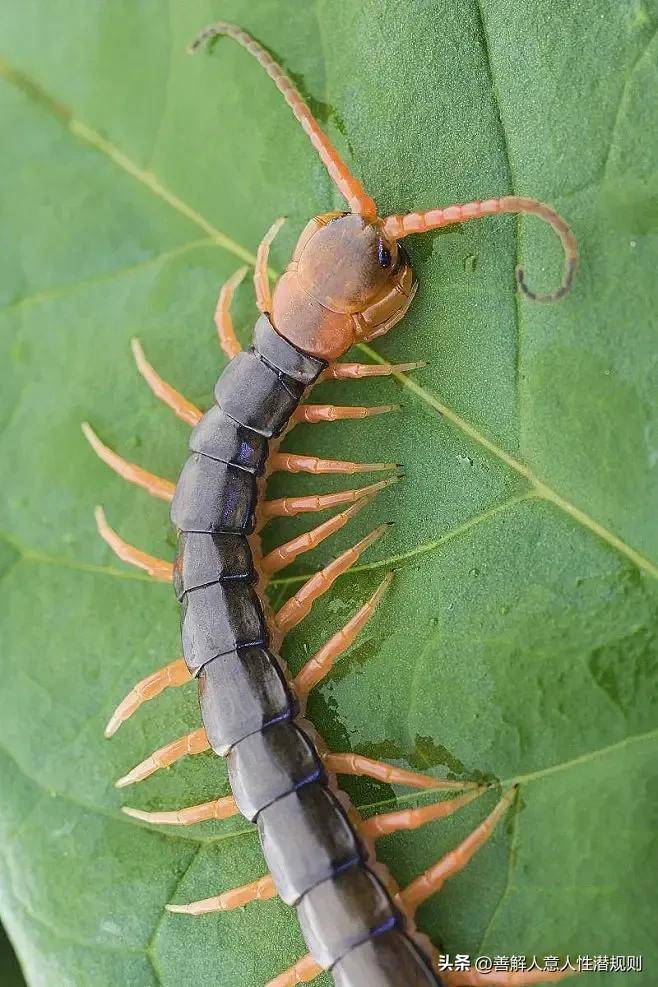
point(349, 280)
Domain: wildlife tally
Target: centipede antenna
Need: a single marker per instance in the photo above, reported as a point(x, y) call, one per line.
point(397, 227)
point(349, 187)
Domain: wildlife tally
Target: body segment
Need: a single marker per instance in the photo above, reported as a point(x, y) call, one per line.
point(248, 708)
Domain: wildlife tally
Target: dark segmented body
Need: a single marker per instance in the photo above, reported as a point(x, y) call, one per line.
point(249, 711)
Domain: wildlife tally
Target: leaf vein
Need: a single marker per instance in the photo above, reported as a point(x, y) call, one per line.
point(513, 851)
point(512, 191)
point(27, 554)
point(542, 489)
point(59, 291)
point(622, 101)
point(426, 547)
point(94, 139)
point(523, 779)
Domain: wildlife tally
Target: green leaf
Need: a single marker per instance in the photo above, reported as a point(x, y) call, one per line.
point(518, 641)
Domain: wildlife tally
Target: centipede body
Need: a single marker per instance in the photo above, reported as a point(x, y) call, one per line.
point(349, 280)
point(314, 854)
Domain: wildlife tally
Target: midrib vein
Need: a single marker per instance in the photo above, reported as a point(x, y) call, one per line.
point(150, 181)
point(147, 178)
point(154, 185)
point(541, 489)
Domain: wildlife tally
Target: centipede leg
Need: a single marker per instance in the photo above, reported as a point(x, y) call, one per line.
point(404, 819)
point(174, 674)
point(356, 371)
point(181, 407)
point(155, 485)
point(157, 568)
point(282, 556)
point(361, 766)
point(290, 506)
point(432, 880)
point(313, 413)
point(227, 339)
point(259, 890)
point(192, 743)
point(520, 978)
point(261, 277)
point(319, 666)
point(301, 972)
point(222, 808)
point(299, 605)
point(293, 463)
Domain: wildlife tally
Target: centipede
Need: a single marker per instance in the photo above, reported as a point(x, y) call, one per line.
point(349, 281)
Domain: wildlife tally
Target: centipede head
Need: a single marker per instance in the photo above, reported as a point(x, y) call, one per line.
point(349, 279)
point(348, 282)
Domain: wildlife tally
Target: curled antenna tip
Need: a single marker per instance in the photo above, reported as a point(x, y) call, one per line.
point(551, 296)
point(211, 32)
point(197, 43)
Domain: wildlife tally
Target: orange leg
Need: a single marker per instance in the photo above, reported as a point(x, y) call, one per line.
point(222, 808)
point(261, 277)
point(192, 743)
point(174, 674)
point(433, 879)
point(155, 485)
point(181, 407)
point(471, 978)
point(292, 463)
point(355, 371)
point(358, 765)
point(259, 890)
point(227, 338)
point(301, 972)
point(282, 556)
point(299, 605)
point(290, 506)
point(157, 568)
point(319, 666)
point(312, 413)
point(393, 822)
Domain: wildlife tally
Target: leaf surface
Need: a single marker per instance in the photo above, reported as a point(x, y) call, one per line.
point(518, 642)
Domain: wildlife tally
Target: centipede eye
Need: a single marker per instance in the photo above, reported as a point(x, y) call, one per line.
point(383, 254)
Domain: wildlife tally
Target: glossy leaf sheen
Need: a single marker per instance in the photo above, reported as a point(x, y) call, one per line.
point(519, 637)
